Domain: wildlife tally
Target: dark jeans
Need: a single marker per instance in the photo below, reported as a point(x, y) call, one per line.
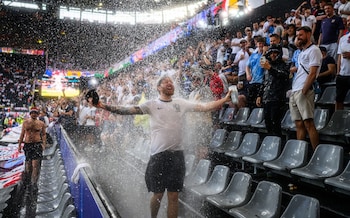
point(273, 113)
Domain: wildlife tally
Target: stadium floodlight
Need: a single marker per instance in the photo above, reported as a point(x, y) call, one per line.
point(20, 5)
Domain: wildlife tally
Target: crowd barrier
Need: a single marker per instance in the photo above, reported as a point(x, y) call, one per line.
point(89, 198)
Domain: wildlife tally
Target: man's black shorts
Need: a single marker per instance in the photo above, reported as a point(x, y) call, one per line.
point(33, 151)
point(166, 170)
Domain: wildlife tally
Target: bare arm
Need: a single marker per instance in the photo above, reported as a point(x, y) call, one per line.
point(131, 110)
point(331, 71)
point(213, 104)
point(20, 140)
point(43, 136)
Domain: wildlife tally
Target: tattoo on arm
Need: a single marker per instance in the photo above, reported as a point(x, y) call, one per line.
point(124, 110)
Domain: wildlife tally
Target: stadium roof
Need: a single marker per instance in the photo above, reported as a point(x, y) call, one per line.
point(129, 5)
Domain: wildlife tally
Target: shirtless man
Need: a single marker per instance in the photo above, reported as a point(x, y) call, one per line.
point(33, 136)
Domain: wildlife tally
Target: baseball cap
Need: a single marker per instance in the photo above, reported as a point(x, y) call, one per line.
point(34, 110)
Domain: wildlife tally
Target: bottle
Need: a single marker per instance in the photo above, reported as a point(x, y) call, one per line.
point(234, 94)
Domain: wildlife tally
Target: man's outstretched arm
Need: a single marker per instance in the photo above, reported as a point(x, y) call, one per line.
point(122, 110)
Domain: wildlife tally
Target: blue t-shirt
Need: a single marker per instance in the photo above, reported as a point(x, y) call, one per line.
point(255, 68)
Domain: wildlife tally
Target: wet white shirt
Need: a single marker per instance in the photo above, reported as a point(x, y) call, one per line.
point(166, 123)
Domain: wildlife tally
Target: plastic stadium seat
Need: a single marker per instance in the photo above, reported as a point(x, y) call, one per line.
point(69, 212)
point(231, 143)
point(65, 201)
point(241, 116)
point(337, 127)
point(294, 155)
point(215, 184)
point(46, 207)
point(256, 117)
point(302, 206)
point(229, 114)
point(3, 206)
point(341, 183)
point(347, 99)
point(49, 152)
point(199, 175)
point(326, 161)
point(48, 185)
point(269, 150)
point(265, 202)
point(51, 196)
point(320, 118)
point(261, 127)
point(189, 161)
point(287, 123)
point(236, 194)
point(44, 188)
point(248, 147)
point(218, 138)
point(327, 97)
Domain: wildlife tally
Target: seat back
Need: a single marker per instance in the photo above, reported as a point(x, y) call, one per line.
point(320, 118)
point(287, 122)
point(200, 174)
point(294, 154)
point(239, 187)
point(189, 162)
point(269, 149)
point(256, 116)
point(249, 144)
point(328, 96)
point(338, 123)
point(69, 212)
point(218, 138)
point(327, 160)
point(242, 115)
point(347, 99)
point(233, 140)
point(266, 199)
point(229, 115)
point(346, 173)
point(218, 179)
point(302, 206)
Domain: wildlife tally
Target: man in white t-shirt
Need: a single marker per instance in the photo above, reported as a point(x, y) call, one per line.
point(235, 43)
point(343, 77)
point(344, 9)
point(301, 101)
point(166, 167)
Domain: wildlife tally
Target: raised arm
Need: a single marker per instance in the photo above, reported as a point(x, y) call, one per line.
point(213, 104)
point(122, 110)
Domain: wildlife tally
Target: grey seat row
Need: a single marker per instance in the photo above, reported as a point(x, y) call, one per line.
point(326, 161)
point(54, 198)
point(334, 129)
point(238, 200)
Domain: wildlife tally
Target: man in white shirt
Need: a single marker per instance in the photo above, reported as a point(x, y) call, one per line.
point(344, 10)
point(301, 101)
point(235, 43)
point(343, 76)
point(166, 167)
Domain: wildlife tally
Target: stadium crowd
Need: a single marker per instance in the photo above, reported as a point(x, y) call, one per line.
point(211, 64)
